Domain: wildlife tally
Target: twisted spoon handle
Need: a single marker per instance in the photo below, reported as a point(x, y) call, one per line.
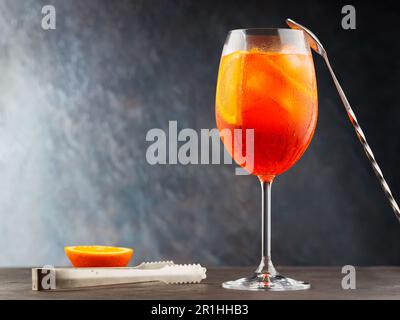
point(363, 140)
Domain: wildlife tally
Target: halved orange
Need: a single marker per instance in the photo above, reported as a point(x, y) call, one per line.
point(98, 256)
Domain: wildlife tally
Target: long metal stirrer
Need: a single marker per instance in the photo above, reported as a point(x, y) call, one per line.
point(316, 45)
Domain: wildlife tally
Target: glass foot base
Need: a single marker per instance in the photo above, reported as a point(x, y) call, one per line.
point(266, 282)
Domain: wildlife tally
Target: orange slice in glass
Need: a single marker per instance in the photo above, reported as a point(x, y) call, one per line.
point(98, 256)
point(229, 87)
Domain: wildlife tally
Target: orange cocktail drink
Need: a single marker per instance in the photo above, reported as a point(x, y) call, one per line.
point(273, 93)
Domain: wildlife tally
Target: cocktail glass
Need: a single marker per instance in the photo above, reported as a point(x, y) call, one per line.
point(266, 83)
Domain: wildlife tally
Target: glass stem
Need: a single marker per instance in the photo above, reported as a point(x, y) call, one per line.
point(266, 265)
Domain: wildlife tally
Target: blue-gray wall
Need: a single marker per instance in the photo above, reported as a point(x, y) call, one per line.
point(76, 104)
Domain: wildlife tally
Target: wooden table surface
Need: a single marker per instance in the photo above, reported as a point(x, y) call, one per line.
point(372, 283)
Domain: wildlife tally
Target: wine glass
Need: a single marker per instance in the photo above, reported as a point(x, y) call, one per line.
point(266, 84)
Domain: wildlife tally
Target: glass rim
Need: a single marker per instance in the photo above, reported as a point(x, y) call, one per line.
point(266, 30)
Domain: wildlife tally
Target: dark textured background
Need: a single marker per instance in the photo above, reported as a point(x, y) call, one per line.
point(76, 104)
